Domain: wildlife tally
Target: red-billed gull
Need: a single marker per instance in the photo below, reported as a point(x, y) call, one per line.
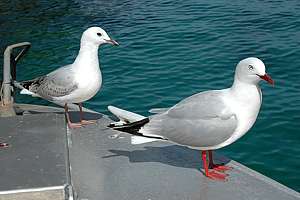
point(208, 120)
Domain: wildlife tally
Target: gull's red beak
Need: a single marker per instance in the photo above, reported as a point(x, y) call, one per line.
point(267, 78)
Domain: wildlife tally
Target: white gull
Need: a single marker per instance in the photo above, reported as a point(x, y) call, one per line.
point(77, 82)
point(208, 120)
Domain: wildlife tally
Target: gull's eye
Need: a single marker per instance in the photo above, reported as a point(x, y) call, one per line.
point(250, 67)
point(99, 34)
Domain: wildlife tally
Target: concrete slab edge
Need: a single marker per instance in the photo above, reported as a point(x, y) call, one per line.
point(264, 178)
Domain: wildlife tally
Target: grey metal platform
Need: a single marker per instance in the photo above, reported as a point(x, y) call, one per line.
point(104, 165)
point(35, 165)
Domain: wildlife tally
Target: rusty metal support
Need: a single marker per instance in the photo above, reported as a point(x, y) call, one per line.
point(9, 73)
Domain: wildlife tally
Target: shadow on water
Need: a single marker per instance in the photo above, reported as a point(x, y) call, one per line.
point(173, 155)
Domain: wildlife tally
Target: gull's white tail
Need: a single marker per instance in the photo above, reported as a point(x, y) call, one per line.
point(141, 140)
point(124, 115)
point(131, 123)
point(25, 91)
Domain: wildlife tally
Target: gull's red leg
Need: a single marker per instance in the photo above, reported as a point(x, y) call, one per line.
point(218, 167)
point(70, 124)
point(82, 121)
point(211, 174)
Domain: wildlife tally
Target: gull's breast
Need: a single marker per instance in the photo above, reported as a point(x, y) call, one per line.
point(246, 108)
point(88, 82)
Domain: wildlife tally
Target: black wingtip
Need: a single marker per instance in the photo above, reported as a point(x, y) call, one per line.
point(111, 125)
point(131, 128)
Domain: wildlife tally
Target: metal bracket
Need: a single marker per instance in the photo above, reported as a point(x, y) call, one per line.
point(9, 74)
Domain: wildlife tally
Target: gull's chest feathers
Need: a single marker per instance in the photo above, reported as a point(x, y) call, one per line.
point(87, 71)
point(245, 103)
point(88, 82)
point(88, 79)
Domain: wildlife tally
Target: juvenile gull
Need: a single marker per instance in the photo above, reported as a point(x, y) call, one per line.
point(77, 82)
point(208, 120)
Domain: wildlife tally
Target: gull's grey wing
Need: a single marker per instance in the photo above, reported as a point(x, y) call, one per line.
point(55, 84)
point(201, 120)
point(203, 105)
point(158, 110)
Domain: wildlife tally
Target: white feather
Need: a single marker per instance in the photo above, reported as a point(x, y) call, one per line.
point(142, 140)
point(125, 115)
point(119, 123)
point(158, 110)
point(25, 91)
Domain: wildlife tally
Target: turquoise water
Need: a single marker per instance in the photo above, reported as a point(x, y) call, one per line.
point(172, 49)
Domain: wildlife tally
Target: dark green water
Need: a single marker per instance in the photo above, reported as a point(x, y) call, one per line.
point(173, 49)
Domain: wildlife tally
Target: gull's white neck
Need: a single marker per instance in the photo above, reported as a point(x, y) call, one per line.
point(244, 99)
point(243, 89)
point(247, 98)
point(87, 72)
point(87, 57)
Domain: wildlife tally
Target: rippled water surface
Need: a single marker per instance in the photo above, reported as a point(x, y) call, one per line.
point(172, 49)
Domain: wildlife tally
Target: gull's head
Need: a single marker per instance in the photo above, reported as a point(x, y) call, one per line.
point(252, 70)
point(97, 36)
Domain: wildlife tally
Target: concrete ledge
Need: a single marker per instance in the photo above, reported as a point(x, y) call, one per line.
point(105, 165)
point(35, 194)
point(45, 159)
point(35, 165)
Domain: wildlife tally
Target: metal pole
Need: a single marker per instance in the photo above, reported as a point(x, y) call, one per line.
point(6, 105)
point(6, 87)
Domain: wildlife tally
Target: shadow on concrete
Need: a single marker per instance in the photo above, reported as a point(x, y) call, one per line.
point(174, 155)
point(73, 114)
